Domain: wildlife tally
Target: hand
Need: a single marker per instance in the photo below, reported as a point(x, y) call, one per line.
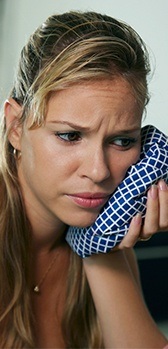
point(156, 217)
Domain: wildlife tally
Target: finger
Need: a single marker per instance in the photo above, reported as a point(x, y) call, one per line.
point(132, 236)
point(163, 205)
point(151, 222)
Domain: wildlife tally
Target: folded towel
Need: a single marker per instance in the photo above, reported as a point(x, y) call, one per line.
point(128, 199)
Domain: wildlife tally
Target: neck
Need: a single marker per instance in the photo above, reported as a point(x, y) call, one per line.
point(46, 240)
point(46, 228)
point(46, 267)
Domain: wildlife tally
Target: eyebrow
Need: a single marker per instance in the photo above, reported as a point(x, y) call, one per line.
point(84, 128)
point(71, 124)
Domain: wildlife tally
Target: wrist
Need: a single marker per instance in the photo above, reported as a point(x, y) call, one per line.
point(114, 258)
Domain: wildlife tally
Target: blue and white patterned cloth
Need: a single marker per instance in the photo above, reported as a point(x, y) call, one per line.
point(128, 199)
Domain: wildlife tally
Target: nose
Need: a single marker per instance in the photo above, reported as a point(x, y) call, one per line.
point(95, 165)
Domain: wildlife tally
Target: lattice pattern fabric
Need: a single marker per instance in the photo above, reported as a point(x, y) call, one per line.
point(128, 199)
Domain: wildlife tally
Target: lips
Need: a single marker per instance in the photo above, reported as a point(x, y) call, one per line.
point(89, 200)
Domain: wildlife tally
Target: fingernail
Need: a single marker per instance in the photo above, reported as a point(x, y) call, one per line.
point(137, 219)
point(162, 185)
point(153, 192)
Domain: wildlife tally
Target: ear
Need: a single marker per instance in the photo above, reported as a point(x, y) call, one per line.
point(13, 112)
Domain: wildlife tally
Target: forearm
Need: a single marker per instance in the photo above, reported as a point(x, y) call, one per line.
point(123, 316)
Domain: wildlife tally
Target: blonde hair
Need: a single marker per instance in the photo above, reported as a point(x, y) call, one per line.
point(67, 49)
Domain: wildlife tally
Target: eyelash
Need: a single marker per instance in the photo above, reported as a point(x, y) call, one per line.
point(65, 136)
point(75, 136)
point(126, 142)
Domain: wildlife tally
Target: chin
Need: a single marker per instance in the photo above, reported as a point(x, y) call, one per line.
point(83, 223)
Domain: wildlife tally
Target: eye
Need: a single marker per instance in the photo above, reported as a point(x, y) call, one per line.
point(70, 137)
point(123, 142)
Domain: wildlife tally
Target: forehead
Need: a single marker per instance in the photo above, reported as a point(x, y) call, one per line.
point(117, 83)
point(106, 105)
point(113, 97)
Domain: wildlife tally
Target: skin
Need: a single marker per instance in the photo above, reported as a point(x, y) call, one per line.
point(95, 162)
point(124, 318)
point(58, 163)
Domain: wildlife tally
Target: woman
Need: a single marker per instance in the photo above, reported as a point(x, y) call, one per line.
point(71, 128)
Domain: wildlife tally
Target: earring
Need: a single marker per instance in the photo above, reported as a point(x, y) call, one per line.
point(14, 153)
point(17, 154)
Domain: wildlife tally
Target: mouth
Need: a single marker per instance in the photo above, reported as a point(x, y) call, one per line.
point(89, 200)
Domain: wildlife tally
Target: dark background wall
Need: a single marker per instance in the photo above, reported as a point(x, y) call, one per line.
point(153, 263)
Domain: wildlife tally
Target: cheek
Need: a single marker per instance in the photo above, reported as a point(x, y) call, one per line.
point(123, 161)
point(48, 163)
